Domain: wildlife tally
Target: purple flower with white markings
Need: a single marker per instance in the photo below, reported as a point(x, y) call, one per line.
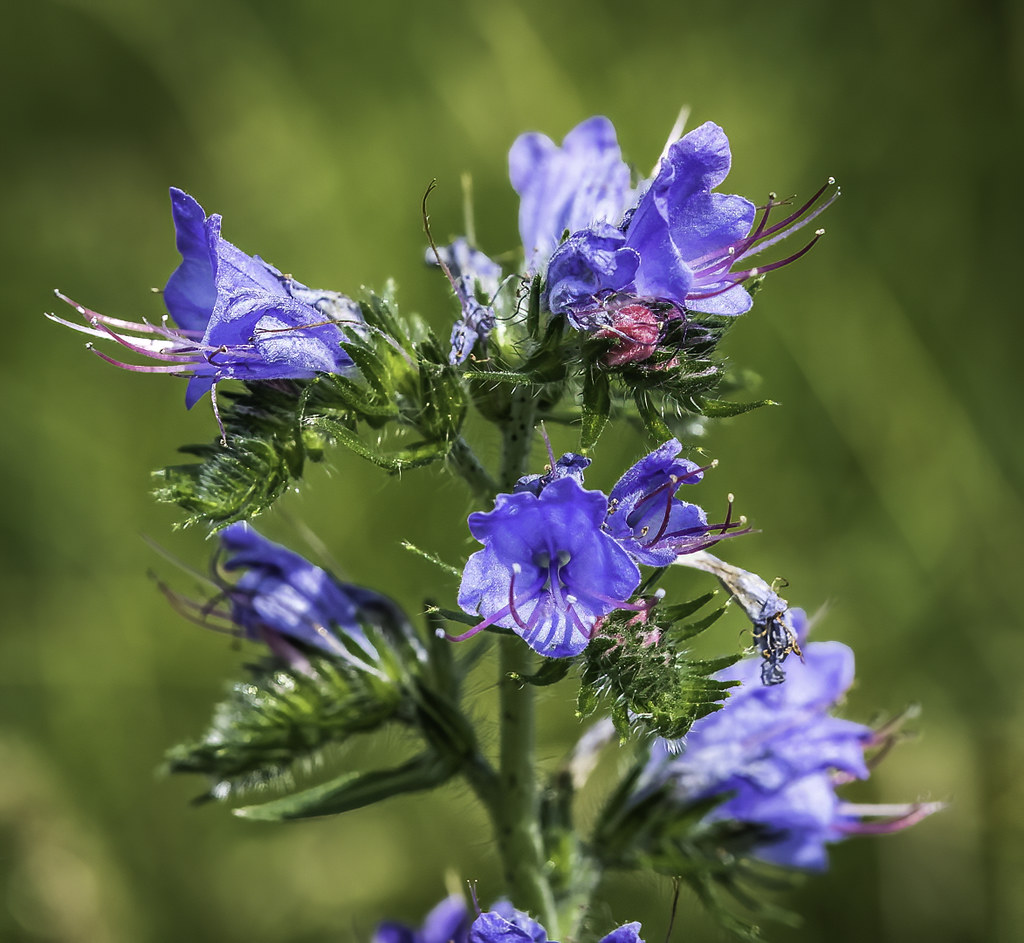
point(650, 522)
point(547, 571)
point(237, 317)
point(778, 753)
point(679, 246)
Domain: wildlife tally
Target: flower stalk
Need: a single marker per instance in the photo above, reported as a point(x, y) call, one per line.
point(516, 807)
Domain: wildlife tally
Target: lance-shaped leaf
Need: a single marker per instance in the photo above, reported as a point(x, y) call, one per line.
point(724, 409)
point(280, 717)
point(414, 455)
point(596, 406)
point(242, 476)
point(355, 790)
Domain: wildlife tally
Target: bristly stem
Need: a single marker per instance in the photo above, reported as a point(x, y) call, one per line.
point(516, 809)
point(517, 437)
point(464, 460)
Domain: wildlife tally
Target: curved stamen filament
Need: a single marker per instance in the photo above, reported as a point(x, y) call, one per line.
point(516, 570)
point(898, 816)
point(784, 231)
point(671, 482)
point(761, 237)
point(140, 327)
point(793, 217)
point(480, 626)
point(178, 369)
point(165, 353)
point(512, 609)
point(732, 279)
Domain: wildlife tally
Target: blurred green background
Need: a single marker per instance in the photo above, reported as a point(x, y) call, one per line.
point(888, 485)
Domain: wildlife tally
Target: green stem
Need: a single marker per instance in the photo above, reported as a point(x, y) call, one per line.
point(517, 436)
point(516, 807)
point(463, 459)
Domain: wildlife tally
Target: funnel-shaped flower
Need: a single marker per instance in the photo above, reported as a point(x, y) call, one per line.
point(469, 271)
point(449, 922)
point(649, 521)
point(237, 317)
point(505, 924)
point(547, 570)
point(282, 596)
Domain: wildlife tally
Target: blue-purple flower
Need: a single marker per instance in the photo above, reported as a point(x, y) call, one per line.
point(547, 571)
point(570, 465)
point(448, 922)
point(470, 272)
point(505, 924)
point(237, 317)
point(567, 188)
point(777, 753)
point(650, 522)
point(295, 608)
point(680, 246)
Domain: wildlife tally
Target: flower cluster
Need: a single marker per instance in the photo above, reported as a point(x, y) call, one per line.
point(776, 755)
point(648, 271)
point(450, 922)
point(669, 244)
point(558, 557)
point(236, 316)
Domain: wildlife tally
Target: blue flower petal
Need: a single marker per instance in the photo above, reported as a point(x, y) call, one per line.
point(585, 181)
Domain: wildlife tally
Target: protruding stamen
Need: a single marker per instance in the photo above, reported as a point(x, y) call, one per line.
point(897, 817)
point(179, 369)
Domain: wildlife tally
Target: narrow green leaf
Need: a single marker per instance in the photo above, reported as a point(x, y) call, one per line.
point(682, 633)
point(354, 790)
point(362, 400)
point(551, 671)
point(650, 417)
point(533, 309)
point(412, 456)
point(723, 409)
point(597, 404)
point(674, 613)
point(370, 365)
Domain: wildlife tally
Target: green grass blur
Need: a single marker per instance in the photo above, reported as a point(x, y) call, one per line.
point(887, 485)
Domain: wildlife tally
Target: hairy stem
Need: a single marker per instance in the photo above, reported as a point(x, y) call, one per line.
point(464, 460)
point(516, 809)
point(517, 437)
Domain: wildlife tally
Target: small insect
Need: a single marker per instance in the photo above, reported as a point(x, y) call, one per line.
point(774, 638)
